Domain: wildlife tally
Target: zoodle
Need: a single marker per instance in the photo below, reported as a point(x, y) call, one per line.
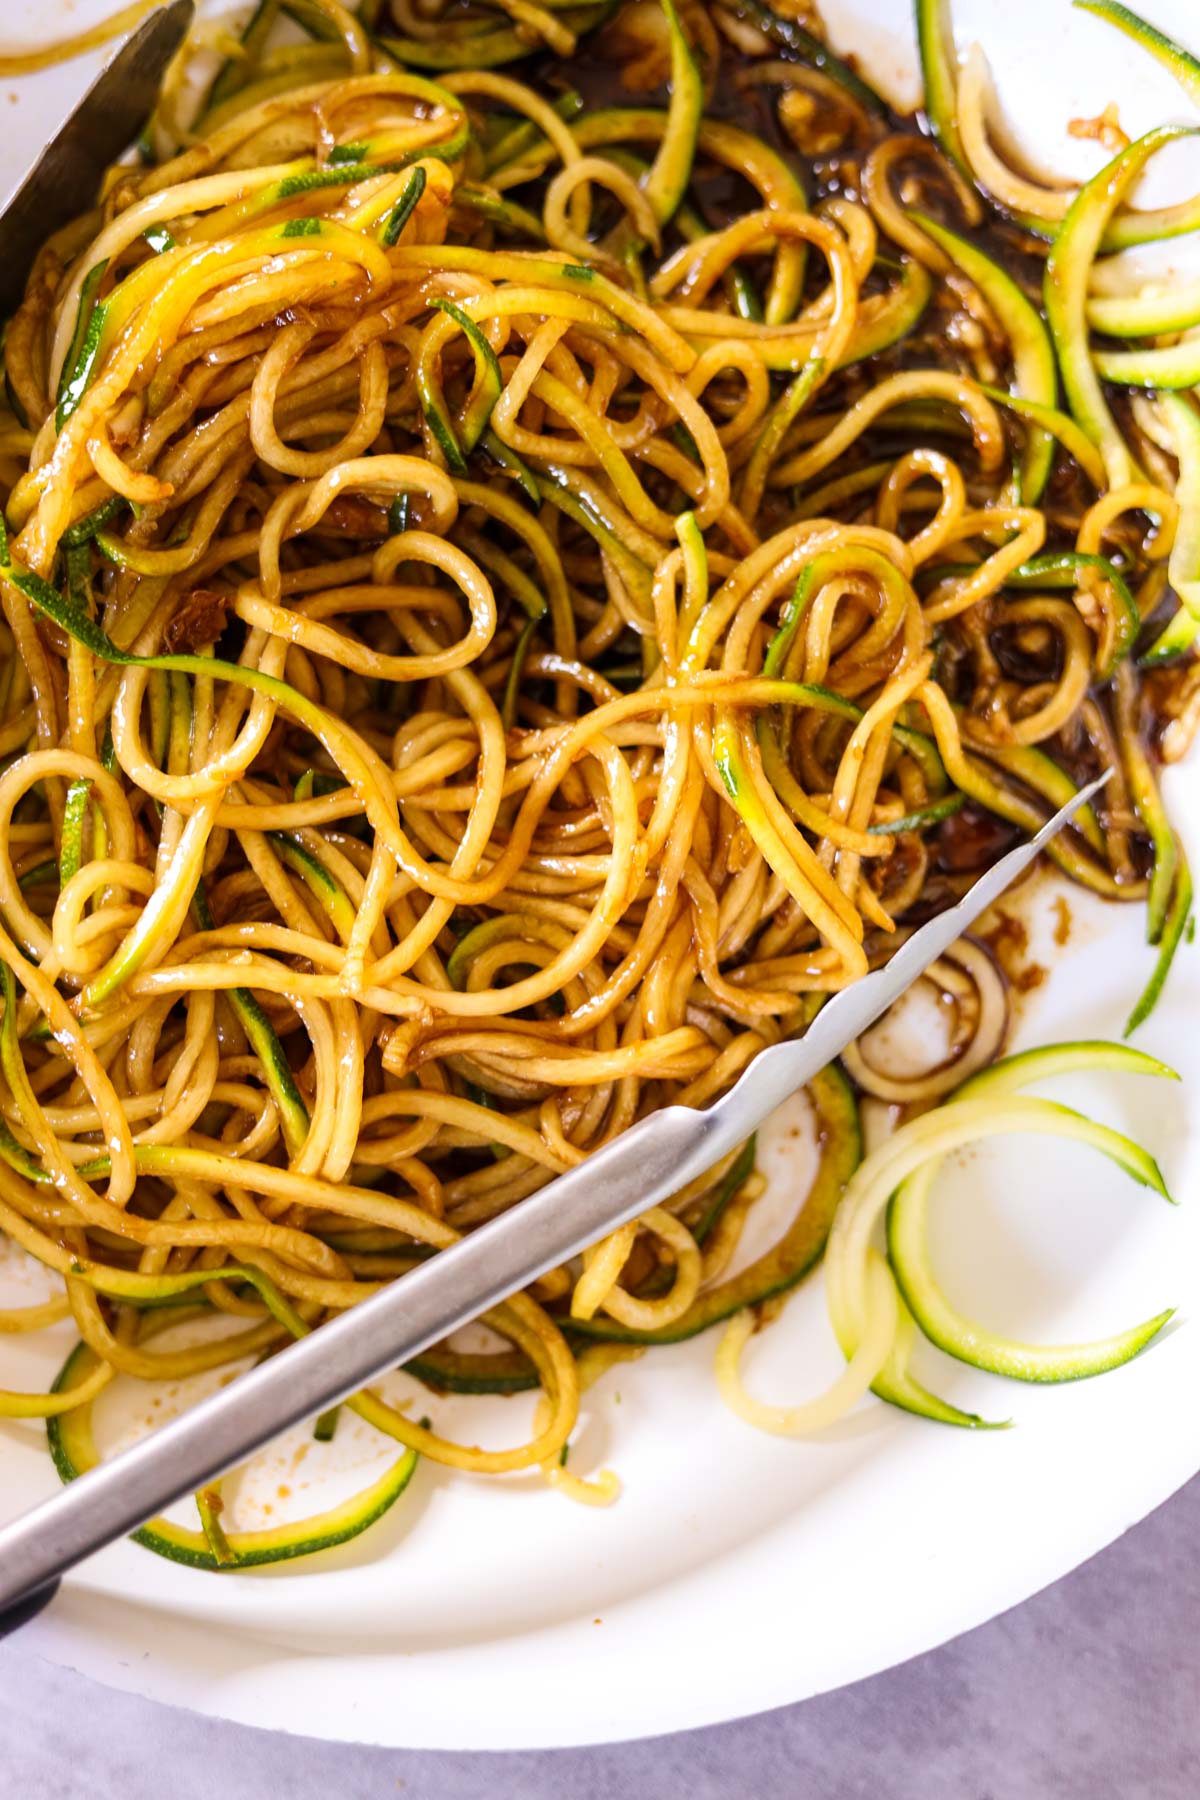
point(539, 541)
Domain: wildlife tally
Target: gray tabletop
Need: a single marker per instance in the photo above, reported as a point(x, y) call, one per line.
point(1090, 1691)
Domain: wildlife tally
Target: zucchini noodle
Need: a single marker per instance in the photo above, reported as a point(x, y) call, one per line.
point(534, 551)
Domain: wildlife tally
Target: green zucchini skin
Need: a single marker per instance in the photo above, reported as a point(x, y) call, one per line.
point(236, 71)
point(506, 215)
point(401, 213)
point(901, 309)
point(487, 50)
point(1144, 791)
point(671, 171)
point(517, 139)
point(789, 34)
point(1061, 569)
point(90, 526)
point(261, 1035)
point(84, 351)
point(1174, 58)
point(901, 1389)
point(922, 817)
point(1059, 425)
point(1068, 267)
point(510, 1371)
point(552, 485)
point(906, 302)
point(781, 1267)
point(935, 43)
point(1168, 308)
point(74, 815)
point(1183, 565)
point(73, 1453)
point(1035, 375)
point(456, 445)
point(41, 874)
point(1171, 366)
point(467, 1372)
point(987, 1350)
point(908, 1253)
point(738, 150)
point(1174, 931)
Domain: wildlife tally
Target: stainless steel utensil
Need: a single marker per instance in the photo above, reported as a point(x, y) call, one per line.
point(649, 1162)
point(64, 179)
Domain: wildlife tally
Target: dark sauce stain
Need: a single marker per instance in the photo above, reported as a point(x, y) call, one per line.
point(1028, 653)
point(971, 840)
point(1007, 937)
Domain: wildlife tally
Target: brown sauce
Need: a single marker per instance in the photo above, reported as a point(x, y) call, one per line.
point(1007, 937)
point(1024, 655)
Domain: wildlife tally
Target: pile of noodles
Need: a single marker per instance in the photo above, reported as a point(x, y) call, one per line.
point(513, 649)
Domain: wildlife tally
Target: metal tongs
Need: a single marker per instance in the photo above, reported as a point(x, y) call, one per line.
point(62, 182)
point(651, 1161)
point(654, 1159)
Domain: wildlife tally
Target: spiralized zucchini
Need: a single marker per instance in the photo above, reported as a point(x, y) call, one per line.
point(538, 543)
point(874, 1304)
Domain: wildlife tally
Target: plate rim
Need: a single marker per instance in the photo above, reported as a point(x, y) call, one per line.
point(128, 1652)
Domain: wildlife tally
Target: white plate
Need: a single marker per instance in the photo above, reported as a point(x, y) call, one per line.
point(738, 1572)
